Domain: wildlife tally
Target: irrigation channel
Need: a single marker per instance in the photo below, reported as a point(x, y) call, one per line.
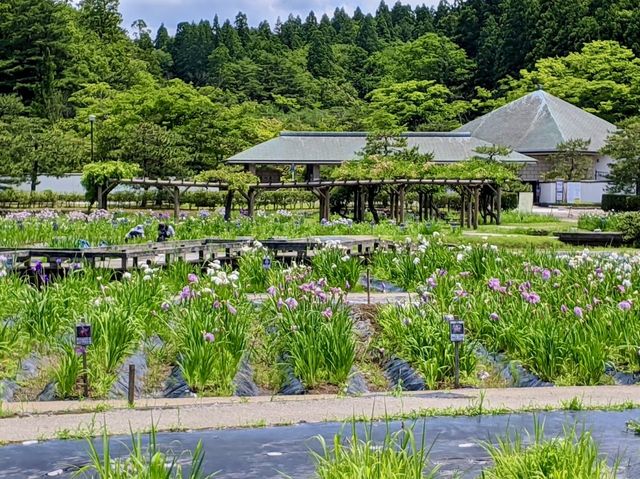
point(277, 452)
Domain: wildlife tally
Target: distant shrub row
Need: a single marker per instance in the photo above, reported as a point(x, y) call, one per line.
point(620, 202)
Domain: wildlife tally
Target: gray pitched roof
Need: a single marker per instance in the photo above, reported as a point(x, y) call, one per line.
point(537, 123)
point(331, 148)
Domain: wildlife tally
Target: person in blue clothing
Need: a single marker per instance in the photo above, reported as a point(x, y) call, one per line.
point(165, 232)
point(135, 232)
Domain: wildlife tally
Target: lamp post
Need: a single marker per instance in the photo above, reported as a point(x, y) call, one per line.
point(92, 120)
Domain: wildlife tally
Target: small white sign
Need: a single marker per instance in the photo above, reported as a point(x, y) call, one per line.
point(83, 334)
point(456, 328)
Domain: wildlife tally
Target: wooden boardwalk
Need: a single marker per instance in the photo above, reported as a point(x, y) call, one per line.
point(127, 257)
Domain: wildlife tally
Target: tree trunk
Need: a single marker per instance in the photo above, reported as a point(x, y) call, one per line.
point(228, 202)
point(34, 176)
point(145, 190)
point(371, 196)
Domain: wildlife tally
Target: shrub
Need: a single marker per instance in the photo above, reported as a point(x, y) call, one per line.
point(629, 225)
point(99, 174)
point(509, 201)
point(620, 202)
point(593, 222)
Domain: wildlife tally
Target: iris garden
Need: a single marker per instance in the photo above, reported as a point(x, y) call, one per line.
point(565, 318)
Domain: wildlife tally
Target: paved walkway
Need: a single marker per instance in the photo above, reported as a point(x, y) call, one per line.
point(358, 298)
point(47, 420)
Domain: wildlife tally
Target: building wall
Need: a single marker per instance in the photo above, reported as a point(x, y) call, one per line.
point(65, 184)
point(268, 175)
point(536, 172)
point(589, 191)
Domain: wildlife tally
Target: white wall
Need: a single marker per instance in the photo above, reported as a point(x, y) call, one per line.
point(603, 167)
point(590, 191)
point(65, 184)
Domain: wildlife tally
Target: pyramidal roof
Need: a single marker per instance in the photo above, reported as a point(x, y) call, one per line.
point(537, 123)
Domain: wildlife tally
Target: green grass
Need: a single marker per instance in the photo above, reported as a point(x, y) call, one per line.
point(400, 455)
point(514, 217)
point(634, 426)
point(142, 463)
point(573, 455)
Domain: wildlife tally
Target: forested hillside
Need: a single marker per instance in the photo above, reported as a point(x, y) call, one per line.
point(180, 104)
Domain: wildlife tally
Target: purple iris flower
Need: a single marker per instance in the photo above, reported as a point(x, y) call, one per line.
point(624, 305)
point(291, 303)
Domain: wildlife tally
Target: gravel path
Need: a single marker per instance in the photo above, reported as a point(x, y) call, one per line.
point(358, 298)
point(54, 419)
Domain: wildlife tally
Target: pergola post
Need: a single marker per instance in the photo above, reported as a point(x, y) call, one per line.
point(251, 202)
point(469, 210)
point(327, 203)
point(99, 199)
point(498, 205)
point(176, 203)
point(401, 189)
point(420, 205)
point(103, 191)
point(476, 207)
point(324, 195)
point(463, 206)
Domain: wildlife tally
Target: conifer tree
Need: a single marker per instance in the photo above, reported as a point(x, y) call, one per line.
point(320, 57)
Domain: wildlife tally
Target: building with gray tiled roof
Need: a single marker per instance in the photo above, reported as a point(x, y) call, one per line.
point(314, 149)
point(536, 123)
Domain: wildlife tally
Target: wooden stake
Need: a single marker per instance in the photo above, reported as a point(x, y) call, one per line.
point(132, 383)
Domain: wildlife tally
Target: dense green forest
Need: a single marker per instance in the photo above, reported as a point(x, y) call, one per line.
point(176, 105)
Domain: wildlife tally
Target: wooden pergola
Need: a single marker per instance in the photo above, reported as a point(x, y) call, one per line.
point(475, 194)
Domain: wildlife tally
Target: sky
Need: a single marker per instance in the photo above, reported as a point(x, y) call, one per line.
point(172, 12)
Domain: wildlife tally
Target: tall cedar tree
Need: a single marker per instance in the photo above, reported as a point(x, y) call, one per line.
point(320, 57)
point(34, 51)
point(367, 37)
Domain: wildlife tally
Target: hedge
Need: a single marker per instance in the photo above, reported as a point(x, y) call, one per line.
point(620, 202)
